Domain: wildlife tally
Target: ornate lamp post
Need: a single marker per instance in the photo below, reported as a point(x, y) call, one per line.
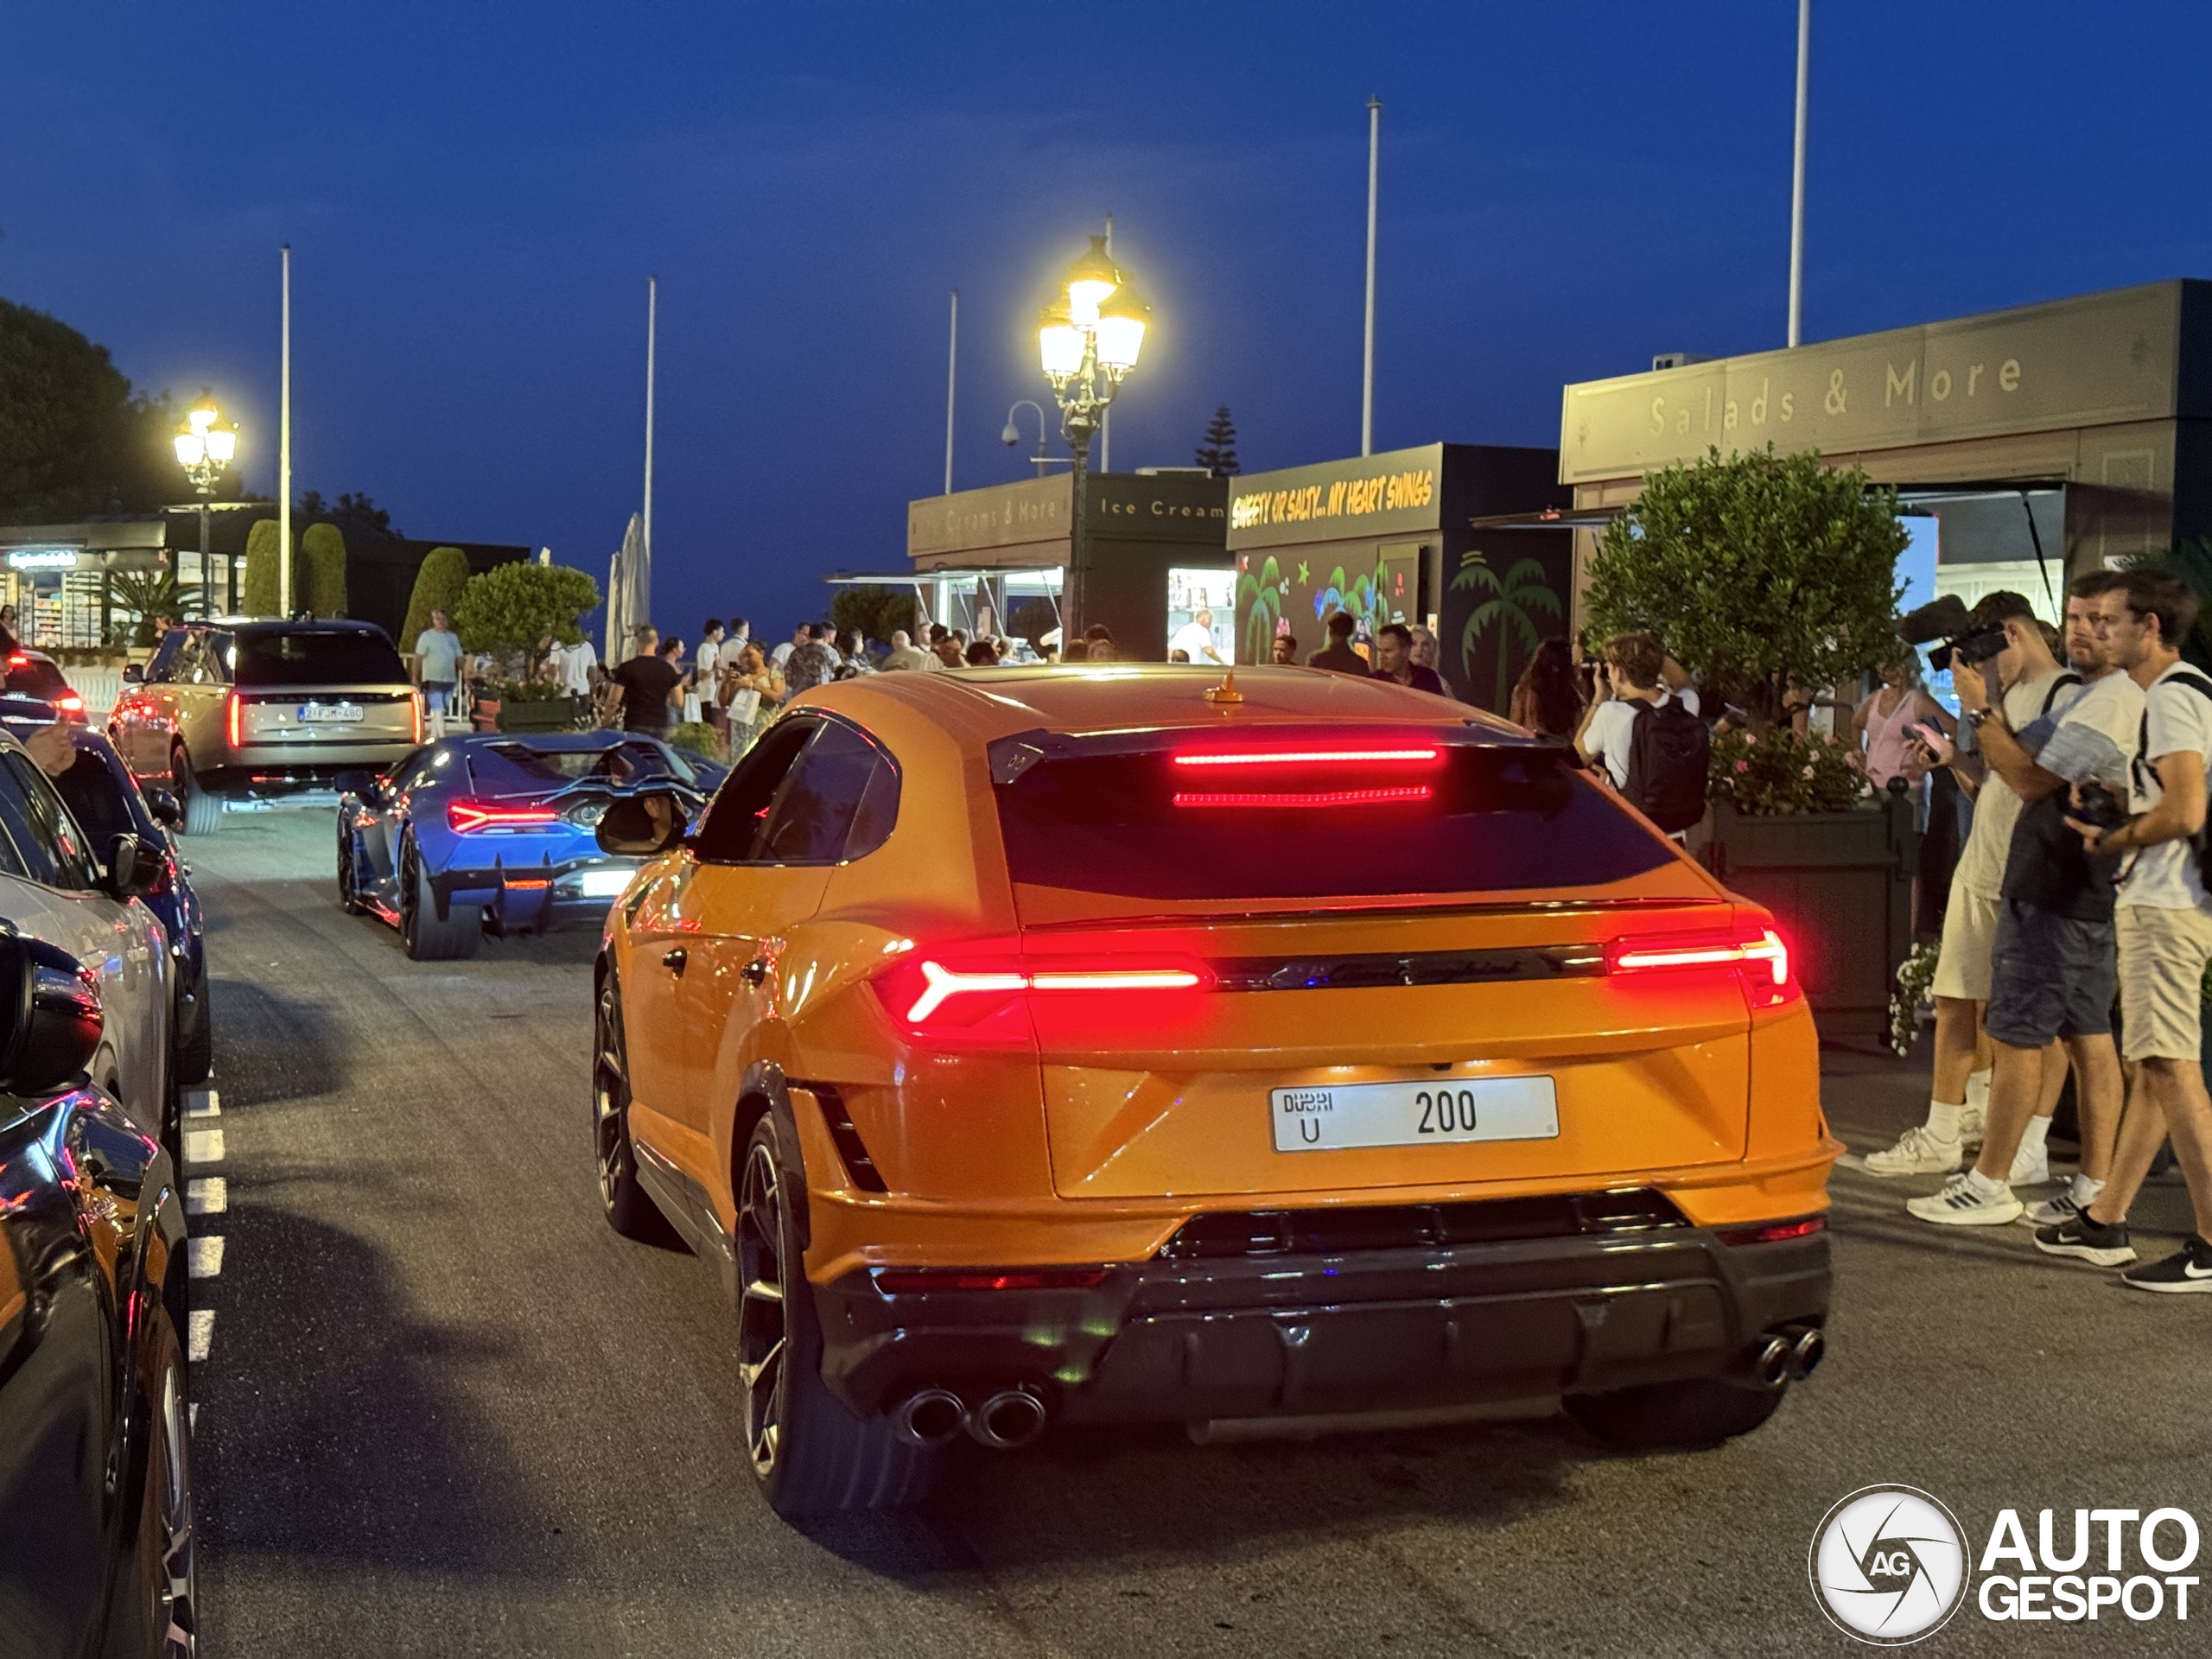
point(205, 444)
point(1088, 339)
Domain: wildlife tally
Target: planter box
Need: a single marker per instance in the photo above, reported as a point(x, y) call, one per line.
point(1841, 884)
point(554, 716)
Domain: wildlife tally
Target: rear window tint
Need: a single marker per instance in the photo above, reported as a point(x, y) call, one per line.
point(36, 677)
point(619, 763)
point(315, 657)
point(1492, 820)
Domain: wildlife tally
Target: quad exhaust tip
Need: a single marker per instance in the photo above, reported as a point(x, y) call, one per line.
point(1008, 1420)
point(933, 1417)
point(1789, 1355)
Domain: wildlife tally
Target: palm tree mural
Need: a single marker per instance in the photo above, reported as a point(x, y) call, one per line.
point(1513, 605)
point(1263, 594)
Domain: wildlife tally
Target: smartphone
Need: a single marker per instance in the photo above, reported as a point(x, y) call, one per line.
point(1928, 732)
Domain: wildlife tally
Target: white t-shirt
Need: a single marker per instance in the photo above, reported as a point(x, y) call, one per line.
point(1996, 805)
point(703, 661)
point(781, 654)
point(2096, 735)
point(2166, 877)
point(577, 662)
point(1610, 729)
point(1198, 641)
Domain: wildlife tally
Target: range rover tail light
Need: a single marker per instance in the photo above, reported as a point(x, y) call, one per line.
point(234, 716)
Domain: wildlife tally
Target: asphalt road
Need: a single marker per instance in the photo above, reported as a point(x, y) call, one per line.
point(445, 1410)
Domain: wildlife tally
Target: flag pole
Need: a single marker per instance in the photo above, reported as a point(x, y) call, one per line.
point(1797, 177)
point(284, 453)
point(951, 378)
point(1367, 371)
point(652, 327)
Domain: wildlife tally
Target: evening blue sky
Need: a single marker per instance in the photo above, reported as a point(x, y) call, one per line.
point(475, 194)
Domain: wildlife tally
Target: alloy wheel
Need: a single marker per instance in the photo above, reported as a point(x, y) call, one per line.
point(410, 907)
point(760, 1328)
point(176, 1598)
point(610, 1095)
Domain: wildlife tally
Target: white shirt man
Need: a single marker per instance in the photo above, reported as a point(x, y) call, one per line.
point(703, 661)
point(1195, 640)
point(1611, 730)
point(577, 662)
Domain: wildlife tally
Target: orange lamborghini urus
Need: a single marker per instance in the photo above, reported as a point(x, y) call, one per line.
point(1105, 1044)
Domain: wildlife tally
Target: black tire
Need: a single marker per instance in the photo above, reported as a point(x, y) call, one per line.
point(349, 887)
point(195, 1040)
point(630, 1209)
point(158, 1608)
point(427, 937)
point(811, 1455)
point(203, 810)
point(1674, 1416)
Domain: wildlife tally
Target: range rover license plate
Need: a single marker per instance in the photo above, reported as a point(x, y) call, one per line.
point(330, 713)
point(1415, 1114)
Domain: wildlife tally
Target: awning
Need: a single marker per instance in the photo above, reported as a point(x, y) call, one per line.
point(1027, 578)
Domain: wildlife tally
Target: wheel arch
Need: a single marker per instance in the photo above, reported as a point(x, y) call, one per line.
point(762, 1092)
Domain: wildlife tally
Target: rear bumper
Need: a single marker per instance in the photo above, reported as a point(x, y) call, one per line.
point(1183, 1341)
point(287, 770)
point(512, 895)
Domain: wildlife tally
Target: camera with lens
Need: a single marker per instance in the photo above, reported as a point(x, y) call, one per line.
point(2099, 806)
point(1964, 640)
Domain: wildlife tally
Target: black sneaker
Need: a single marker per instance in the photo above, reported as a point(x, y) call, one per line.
point(2188, 1269)
point(2077, 1235)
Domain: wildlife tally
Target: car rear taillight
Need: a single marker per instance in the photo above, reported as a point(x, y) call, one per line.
point(236, 715)
point(19, 659)
point(473, 818)
point(983, 996)
point(1394, 755)
point(1292, 799)
point(415, 709)
point(70, 703)
point(917, 1281)
point(1774, 1232)
point(1760, 961)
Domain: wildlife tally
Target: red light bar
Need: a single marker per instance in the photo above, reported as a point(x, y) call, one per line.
point(235, 718)
point(1392, 756)
point(514, 884)
point(911, 1281)
point(468, 818)
point(70, 702)
point(1774, 1232)
point(1308, 797)
point(18, 659)
point(940, 984)
point(1766, 953)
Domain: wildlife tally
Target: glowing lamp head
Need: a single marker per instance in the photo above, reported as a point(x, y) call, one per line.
point(222, 444)
point(1090, 279)
point(203, 414)
point(1060, 343)
point(1121, 322)
point(191, 447)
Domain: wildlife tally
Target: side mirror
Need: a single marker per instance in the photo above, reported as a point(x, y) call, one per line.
point(642, 826)
point(50, 1016)
point(163, 803)
point(133, 867)
point(134, 674)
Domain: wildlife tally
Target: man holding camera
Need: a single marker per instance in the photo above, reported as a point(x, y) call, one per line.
point(2164, 920)
point(2033, 681)
point(2052, 960)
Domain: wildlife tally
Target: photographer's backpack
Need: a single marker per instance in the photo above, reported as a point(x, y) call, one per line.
point(1669, 753)
point(2200, 844)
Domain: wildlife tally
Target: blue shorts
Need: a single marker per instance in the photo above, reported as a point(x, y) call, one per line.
point(437, 696)
point(2049, 976)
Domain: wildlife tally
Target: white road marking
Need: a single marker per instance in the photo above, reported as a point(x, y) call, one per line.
point(191, 1418)
point(202, 1334)
point(210, 1197)
point(203, 1146)
point(202, 1102)
point(203, 1258)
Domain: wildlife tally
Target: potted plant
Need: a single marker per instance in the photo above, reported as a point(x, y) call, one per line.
point(505, 613)
point(1767, 574)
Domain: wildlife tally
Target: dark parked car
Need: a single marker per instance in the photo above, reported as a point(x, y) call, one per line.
point(33, 674)
point(107, 801)
point(96, 1526)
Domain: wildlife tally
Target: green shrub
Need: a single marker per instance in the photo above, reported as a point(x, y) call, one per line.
point(696, 737)
point(321, 571)
point(258, 595)
point(510, 607)
point(876, 612)
point(438, 585)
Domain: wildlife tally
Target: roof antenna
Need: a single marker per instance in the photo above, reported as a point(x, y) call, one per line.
point(1226, 692)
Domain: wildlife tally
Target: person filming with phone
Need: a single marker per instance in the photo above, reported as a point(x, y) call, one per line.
point(1890, 724)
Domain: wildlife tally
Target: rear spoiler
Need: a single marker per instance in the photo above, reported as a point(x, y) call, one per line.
point(1014, 755)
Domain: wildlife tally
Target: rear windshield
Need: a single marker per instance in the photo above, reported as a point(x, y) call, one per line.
point(1479, 820)
point(617, 763)
point(38, 678)
point(316, 658)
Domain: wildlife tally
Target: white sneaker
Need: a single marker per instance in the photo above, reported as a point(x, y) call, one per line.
point(2051, 1211)
point(2029, 1169)
point(1917, 1153)
point(1974, 1119)
point(1960, 1205)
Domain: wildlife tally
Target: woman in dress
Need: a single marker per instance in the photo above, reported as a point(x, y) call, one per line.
point(751, 690)
point(1883, 724)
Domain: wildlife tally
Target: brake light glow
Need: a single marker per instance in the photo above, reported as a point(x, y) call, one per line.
point(70, 703)
point(235, 714)
point(965, 996)
point(517, 884)
point(1774, 1232)
point(469, 817)
point(907, 1282)
point(1762, 959)
point(1305, 798)
point(1392, 756)
point(19, 659)
point(415, 709)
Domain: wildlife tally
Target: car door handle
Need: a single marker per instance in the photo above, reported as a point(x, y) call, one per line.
point(676, 960)
point(754, 971)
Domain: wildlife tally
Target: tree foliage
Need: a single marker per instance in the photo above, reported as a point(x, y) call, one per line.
point(1757, 572)
point(75, 440)
point(439, 583)
point(511, 607)
point(145, 594)
point(876, 612)
point(258, 592)
point(355, 514)
point(320, 585)
point(1217, 451)
point(2192, 562)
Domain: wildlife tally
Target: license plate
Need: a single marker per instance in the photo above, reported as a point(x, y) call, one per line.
point(330, 713)
point(1415, 1113)
point(604, 884)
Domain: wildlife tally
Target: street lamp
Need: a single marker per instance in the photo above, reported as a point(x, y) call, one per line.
point(205, 444)
point(1088, 339)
